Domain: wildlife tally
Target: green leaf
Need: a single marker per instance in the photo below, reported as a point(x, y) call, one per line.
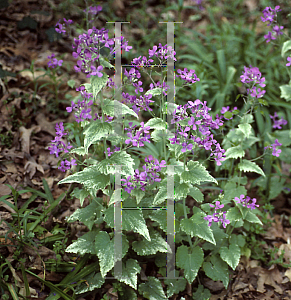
point(230, 255)
point(156, 123)
point(227, 115)
point(238, 239)
point(94, 281)
point(98, 83)
point(252, 218)
point(95, 132)
point(139, 194)
point(217, 269)
point(197, 226)
point(201, 293)
point(79, 151)
point(249, 166)
point(131, 220)
point(152, 289)
point(234, 152)
point(105, 251)
point(71, 83)
point(80, 194)
point(197, 173)
point(154, 92)
point(285, 48)
point(156, 243)
point(161, 196)
point(285, 92)
point(108, 108)
point(104, 62)
point(232, 190)
point(246, 129)
point(182, 190)
point(160, 216)
point(91, 178)
point(190, 260)
point(88, 214)
point(175, 286)
point(129, 273)
point(169, 107)
point(233, 214)
point(196, 194)
point(107, 166)
point(84, 244)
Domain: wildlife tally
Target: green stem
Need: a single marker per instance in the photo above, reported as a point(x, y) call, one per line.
point(230, 229)
point(185, 216)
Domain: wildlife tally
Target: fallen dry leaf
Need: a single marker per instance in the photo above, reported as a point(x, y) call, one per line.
point(31, 166)
point(25, 137)
point(270, 277)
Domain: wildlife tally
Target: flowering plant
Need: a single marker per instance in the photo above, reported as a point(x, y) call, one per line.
point(210, 247)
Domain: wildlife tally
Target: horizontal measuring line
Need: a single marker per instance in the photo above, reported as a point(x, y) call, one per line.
point(164, 208)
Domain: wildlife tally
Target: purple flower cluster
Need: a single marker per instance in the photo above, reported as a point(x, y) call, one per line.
point(57, 145)
point(53, 63)
point(270, 15)
point(161, 53)
point(245, 202)
point(289, 63)
point(137, 103)
point(276, 152)
point(198, 2)
point(252, 74)
point(147, 177)
point(137, 139)
point(201, 121)
point(82, 108)
point(61, 27)
point(217, 216)
point(87, 49)
point(94, 10)
point(187, 76)
point(115, 150)
point(278, 122)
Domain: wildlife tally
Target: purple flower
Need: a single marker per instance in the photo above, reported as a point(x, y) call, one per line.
point(137, 139)
point(82, 108)
point(147, 177)
point(245, 202)
point(277, 29)
point(57, 145)
point(278, 122)
point(217, 205)
point(289, 63)
point(217, 216)
point(252, 74)
point(276, 152)
point(61, 28)
point(270, 14)
point(198, 2)
point(66, 165)
point(188, 76)
point(268, 37)
point(93, 9)
point(87, 50)
point(201, 121)
point(256, 92)
point(115, 150)
point(161, 53)
point(54, 62)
